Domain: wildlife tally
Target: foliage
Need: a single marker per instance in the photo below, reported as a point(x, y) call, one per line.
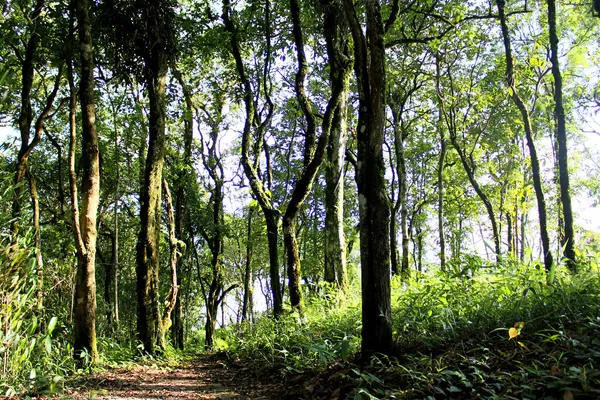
point(326, 333)
point(453, 336)
point(35, 358)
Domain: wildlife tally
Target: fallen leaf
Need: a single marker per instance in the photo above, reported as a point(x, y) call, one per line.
point(513, 333)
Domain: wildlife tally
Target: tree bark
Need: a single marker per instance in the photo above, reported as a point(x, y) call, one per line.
point(184, 179)
point(336, 37)
point(369, 67)
point(247, 306)
point(440, 167)
point(85, 291)
point(149, 321)
point(535, 164)
point(561, 135)
point(173, 260)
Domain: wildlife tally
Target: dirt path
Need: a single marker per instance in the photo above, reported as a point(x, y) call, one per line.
point(204, 378)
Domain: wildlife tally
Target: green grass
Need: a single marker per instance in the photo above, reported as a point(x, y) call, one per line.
point(453, 336)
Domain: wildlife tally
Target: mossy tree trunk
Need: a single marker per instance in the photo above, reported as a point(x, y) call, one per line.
point(149, 321)
point(336, 36)
point(369, 67)
point(86, 233)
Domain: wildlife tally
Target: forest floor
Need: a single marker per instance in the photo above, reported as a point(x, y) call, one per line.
point(205, 376)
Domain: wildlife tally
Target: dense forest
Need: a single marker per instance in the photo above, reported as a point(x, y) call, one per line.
point(389, 199)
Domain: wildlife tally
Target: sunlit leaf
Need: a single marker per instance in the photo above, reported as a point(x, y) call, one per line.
point(52, 325)
point(513, 333)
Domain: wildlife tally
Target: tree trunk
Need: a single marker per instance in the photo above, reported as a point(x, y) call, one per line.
point(115, 249)
point(440, 168)
point(561, 134)
point(248, 276)
point(535, 164)
point(369, 66)
point(340, 70)
point(59, 177)
point(182, 207)
point(26, 146)
point(149, 321)
point(85, 292)
point(174, 258)
point(394, 254)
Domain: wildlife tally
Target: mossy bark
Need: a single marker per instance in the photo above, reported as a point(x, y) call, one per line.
point(85, 291)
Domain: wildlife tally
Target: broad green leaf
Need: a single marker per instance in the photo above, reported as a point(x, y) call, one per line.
point(52, 325)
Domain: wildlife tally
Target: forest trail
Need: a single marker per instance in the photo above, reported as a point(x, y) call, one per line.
point(205, 377)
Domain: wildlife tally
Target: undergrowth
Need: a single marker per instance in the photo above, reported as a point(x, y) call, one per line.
point(328, 330)
point(454, 336)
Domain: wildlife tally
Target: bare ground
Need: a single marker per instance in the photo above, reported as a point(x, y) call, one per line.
point(206, 377)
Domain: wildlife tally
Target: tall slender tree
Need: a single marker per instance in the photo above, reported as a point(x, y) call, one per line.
point(561, 137)
point(256, 124)
point(535, 164)
point(337, 38)
point(85, 228)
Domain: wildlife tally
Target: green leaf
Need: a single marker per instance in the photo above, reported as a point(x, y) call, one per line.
point(48, 344)
point(52, 325)
point(510, 91)
point(34, 324)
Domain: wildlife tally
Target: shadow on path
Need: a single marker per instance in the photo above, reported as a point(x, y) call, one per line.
point(204, 378)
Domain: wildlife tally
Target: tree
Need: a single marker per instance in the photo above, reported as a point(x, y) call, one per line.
point(313, 154)
point(85, 228)
point(25, 118)
point(337, 37)
point(465, 130)
point(535, 164)
point(255, 125)
point(369, 68)
point(156, 52)
point(561, 138)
